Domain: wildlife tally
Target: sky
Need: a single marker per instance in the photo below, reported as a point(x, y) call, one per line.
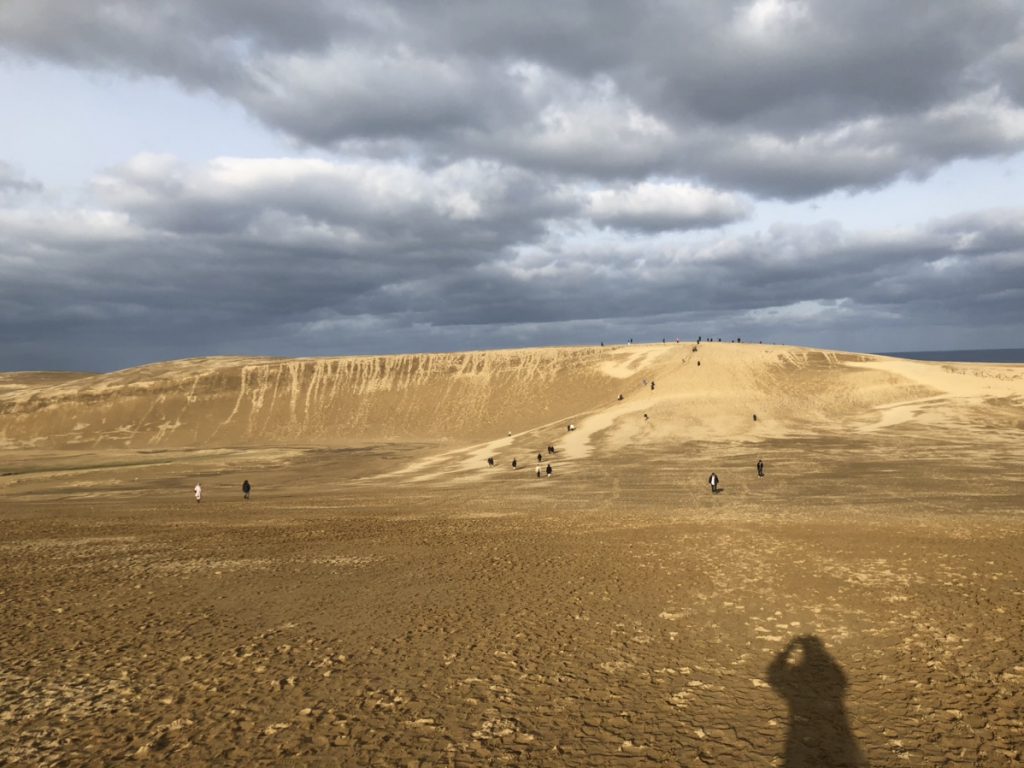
point(251, 177)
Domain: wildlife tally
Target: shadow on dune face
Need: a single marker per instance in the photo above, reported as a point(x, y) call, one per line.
point(813, 685)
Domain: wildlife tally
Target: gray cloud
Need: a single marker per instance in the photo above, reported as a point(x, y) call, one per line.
point(783, 98)
point(501, 174)
point(653, 207)
point(295, 256)
point(13, 182)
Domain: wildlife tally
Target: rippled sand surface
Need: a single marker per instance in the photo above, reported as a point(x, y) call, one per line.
point(407, 605)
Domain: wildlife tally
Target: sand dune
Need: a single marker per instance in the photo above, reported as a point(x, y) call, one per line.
point(342, 401)
point(385, 598)
point(460, 399)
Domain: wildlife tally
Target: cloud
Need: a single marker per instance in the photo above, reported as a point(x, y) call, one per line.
point(773, 97)
point(14, 183)
point(653, 206)
point(358, 206)
point(819, 312)
point(309, 256)
point(460, 173)
point(767, 18)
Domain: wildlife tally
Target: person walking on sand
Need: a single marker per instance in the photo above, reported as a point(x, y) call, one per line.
point(199, 493)
point(713, 482)
point(760, 468)
point(490, 461)
point(540, 458)
point(538, 470)
point(549, 470)
point(246, 487)
point(515, 464)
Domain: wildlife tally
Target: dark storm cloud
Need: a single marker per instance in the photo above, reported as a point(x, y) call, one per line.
point(775, 97)
point(507, 173)
point(238, 245)
point(333, 257)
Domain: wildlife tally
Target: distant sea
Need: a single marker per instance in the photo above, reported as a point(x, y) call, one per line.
point(965, 355)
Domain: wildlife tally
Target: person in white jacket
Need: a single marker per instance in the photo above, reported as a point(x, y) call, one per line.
point(199, 492)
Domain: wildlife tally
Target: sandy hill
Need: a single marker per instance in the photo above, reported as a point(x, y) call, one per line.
point(462, 399)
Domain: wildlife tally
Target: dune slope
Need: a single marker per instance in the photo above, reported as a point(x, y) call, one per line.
point(460, 399)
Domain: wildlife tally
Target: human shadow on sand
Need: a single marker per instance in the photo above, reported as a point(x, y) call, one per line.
point(813, 685)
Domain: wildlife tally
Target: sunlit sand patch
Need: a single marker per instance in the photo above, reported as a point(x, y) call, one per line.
point(94, 543)
point(673, 615)
point(218, 566)
point(75, 697)
point(210, 565)
point(496, 727)
point(343, 560)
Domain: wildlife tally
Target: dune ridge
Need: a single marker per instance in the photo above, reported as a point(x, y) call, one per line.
point(461, 399)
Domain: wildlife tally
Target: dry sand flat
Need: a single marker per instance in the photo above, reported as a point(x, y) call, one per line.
point(615, 613)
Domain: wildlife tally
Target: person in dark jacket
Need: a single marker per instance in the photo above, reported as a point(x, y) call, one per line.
point(246, 487)
point(760, 468)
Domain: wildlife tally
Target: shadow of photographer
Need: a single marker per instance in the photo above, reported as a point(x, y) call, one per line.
point(814, 685)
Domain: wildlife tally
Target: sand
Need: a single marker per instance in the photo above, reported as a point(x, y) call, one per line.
point(387, 599)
